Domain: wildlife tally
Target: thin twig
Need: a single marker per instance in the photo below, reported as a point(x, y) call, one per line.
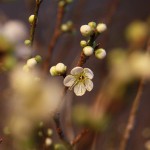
point(58, 127)
point(33, 25)
point(79, 137)
point(133, 112)
point(55, 37)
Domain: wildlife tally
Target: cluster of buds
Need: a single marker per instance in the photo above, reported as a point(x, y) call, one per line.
point(64, 2)
point(92, 30)
point(31, 63)
point(67, 27)
point(58, 70)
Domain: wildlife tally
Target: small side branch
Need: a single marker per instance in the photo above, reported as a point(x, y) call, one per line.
point(79, 137)
point(33, 25)
point(56, 34)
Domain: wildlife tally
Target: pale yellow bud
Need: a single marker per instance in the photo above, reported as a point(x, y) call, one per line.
point(64, 27)
point(27, 42)
point(53, 71)
point(100, 53)
point(101, 27)
point(86, 30)
point(61, 68)
point(48, 141)
point(31, 19)
point(83, 43)
point(88, 50)
point(92, 25)
point(31, 62)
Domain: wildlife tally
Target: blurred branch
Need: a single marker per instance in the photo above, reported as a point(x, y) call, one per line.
point(55, 36)
point(59, 128)
point(1, 140)
point(33, 25)
point(79, 137)
point(133, 112)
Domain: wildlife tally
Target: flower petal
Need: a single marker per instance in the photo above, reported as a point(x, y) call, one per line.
point(76, 70)
point(79, 89)
point(88, 84)
point(88, 73)
point(69, 80)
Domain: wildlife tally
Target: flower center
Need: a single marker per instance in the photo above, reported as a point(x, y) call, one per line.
point(81, 77)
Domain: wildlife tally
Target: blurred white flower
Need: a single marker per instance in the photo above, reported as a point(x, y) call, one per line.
point(32, 98)
point(80, 80)
point(15, 31)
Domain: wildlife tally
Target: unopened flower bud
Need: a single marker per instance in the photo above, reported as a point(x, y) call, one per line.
point(27, 42)
point(92, 25)
point(86, 30)
point(31, 19)
point(48, 141)
point(61, 68)
point(49, 132)
point(83, 43)
point(64, 27)
point(101, 27)
point(69, 24)
point(88, 50)
point(38, 58)
point(31, 62)
point(53, 71)
point(100, 53)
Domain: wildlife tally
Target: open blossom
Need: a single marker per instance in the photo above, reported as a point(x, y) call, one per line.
point(80, 80)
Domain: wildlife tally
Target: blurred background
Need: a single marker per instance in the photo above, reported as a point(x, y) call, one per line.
point(27, 104)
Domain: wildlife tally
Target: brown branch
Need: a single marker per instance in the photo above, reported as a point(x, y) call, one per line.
point(33, 25)
point(109, 17)
point(79, 137)
point(133, 112)
point(55, 37)
point(1, 140)
point(58, 127)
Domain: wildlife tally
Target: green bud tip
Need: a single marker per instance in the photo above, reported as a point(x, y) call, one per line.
point(38, 58)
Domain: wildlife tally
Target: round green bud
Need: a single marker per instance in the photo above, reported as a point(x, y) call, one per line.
point(38, 58)
point(69, 24)
point(92, 25)
point(101, 27)
point(100, 53)
point(27, 42)
point(86, 30)
point(53, 71)
point(31, 19)
point(88, 50)
point(61, 68)
point(69, 1)
point(83, 43)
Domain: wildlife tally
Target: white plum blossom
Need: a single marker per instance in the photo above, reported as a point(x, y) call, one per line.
point(80, 80)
